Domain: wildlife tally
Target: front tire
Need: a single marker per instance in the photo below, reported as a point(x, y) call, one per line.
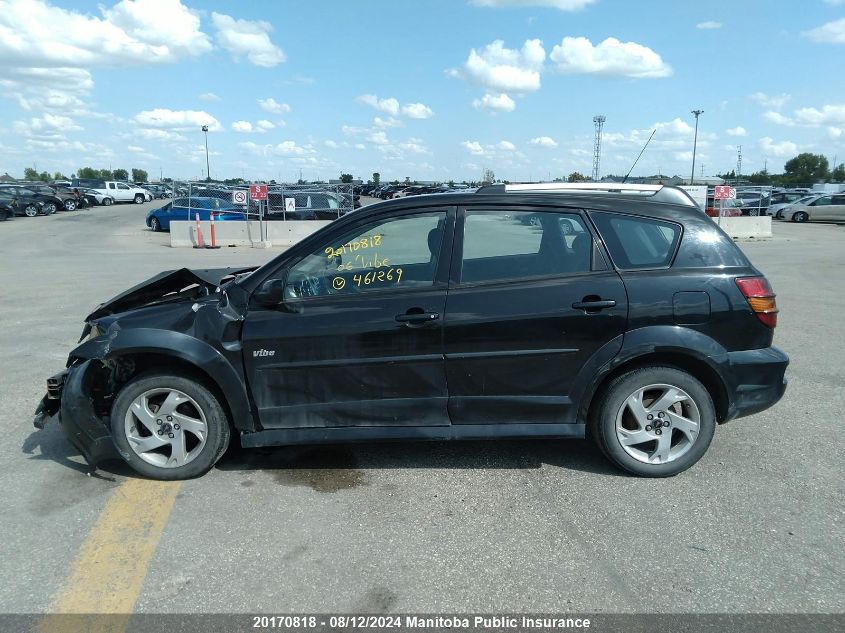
point(800, 216)
point(155, 225)
point(70, 205)
point(30, 210)
point(169, 427)
point(140, 199)
point(107, 202)
point(654, 421)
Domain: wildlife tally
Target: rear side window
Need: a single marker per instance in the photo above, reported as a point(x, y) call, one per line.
point(504, 244)
point(635, 242)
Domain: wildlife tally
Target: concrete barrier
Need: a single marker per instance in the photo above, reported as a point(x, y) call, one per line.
point(747, 227)
point(233, 233)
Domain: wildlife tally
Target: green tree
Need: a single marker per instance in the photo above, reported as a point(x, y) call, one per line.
point(120, 174)
point(761, 178)
point(806, 168)
point(44, 176)
point(59, 176)
point(346, 178)
point(104, 174)
point(376, 178)
point(139, 175)
point(838, 174)
point(30, 174)
point(489, 176)
point(576, 176)
point(87, 172)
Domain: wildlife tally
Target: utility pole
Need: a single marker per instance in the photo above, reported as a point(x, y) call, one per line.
point(598, 121)
point(207, 168)
point(697, 113)
point(738, 162)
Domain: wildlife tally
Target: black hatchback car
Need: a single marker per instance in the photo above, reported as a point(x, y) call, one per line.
point(621, 314)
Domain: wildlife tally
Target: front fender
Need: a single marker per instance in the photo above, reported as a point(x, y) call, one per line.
point(184, 347)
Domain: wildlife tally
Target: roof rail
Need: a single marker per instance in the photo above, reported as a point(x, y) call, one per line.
point(657, 193)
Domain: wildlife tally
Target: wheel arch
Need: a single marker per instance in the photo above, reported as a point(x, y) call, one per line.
point(163, 350)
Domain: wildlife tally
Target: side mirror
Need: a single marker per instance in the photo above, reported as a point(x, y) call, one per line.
point(271, 292)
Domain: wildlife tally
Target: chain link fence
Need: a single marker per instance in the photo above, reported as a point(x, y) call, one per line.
point(284, 201)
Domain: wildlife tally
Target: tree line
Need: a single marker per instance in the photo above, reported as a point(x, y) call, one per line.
point(804, 169)
point(138, 175)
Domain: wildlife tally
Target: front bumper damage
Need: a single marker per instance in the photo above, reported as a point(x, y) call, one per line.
point(69, 400)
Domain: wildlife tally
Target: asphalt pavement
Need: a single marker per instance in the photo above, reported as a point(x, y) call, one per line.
point(542, 526)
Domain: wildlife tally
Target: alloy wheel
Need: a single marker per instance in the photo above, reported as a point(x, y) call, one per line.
point(166, 427)
point(30, 211)
point(70, 205)
point(658, 424)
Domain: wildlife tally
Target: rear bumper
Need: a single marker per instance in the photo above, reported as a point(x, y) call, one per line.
point(757, 380)
point(69, 401)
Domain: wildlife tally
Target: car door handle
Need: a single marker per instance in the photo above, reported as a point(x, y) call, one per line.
point(417, 317)
point(594, 305)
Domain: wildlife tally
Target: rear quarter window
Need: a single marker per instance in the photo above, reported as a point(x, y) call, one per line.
point(637, 242)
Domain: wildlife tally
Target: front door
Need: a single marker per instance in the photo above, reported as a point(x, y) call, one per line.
point(530, 305)
point(358, 339)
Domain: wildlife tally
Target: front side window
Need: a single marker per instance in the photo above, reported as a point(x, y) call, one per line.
point(503, 244)
point(122, 186)
point(637, 242)
point(392, 254)
point(822, 202)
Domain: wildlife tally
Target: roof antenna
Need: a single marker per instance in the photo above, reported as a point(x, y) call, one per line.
point(625, 179)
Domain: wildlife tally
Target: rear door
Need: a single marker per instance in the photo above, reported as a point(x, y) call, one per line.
point(532, 305)
point(837, 209)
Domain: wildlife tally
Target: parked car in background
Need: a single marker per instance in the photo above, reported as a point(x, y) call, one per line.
point(826, 208)
point(7, 209)
point(96, 197)
point(753, 202)
point(729, 207)
point(118, 191)
point(785, 197)
point(68, 200)
point(187, 208)
point(34, 203)
point(777, 210)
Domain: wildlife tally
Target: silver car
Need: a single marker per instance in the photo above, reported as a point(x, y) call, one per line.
point(824, 208)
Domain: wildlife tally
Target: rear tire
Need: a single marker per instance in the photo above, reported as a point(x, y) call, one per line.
point(675, 436)
point(49, 208)
point(140, 199)
point(70, 205)
point(169, 427)
point(30, 210)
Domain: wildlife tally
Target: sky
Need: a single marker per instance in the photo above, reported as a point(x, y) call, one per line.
point(434, 90)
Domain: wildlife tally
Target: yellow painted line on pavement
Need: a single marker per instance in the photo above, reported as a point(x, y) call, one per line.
point(109, 571)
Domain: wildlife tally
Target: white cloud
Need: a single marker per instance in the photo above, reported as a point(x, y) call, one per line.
point(494, 103)
point(563, 5)
point(378, 138)
point(774, 101)
point(158, 135)
point(473, 147)
point(360, 146)
point(827, 115)
point(135, 149)
point(48, 125)
point(248, 38)
point(331, 144)
point(709, 24)
point(503, 70)
point(834, 132)
point(577, 55)
point(417, 111)
point(389, 106)
point(209, 96)
point(242, 126)
point(736, 131)
point(130, 32)
point(388, 122)
point(777, 118)
point(264, 124)
point(685, 156)
point(831, 33)
point(163, 118)
point(543, 141)
point(285, 148)
point(782, 149)
point(505, 145)
point(273, 106)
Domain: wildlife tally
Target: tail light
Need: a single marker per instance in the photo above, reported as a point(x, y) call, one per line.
point(761, 298)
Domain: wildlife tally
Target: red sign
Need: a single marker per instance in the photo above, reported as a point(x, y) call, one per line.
point(723, 192)
point(258, 192)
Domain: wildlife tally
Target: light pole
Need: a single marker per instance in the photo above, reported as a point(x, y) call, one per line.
point(207, 168)
point(694, 144)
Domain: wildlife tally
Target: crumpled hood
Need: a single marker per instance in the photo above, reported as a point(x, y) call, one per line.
point(165, 283)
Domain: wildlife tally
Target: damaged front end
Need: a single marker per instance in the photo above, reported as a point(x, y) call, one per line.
point(181, 308)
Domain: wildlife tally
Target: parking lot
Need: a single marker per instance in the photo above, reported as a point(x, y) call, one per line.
point(539, 526)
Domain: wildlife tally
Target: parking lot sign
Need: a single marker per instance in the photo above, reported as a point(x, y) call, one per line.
point(258, 192)
point(290, 204)
point(239, 197)
point(724, 192)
